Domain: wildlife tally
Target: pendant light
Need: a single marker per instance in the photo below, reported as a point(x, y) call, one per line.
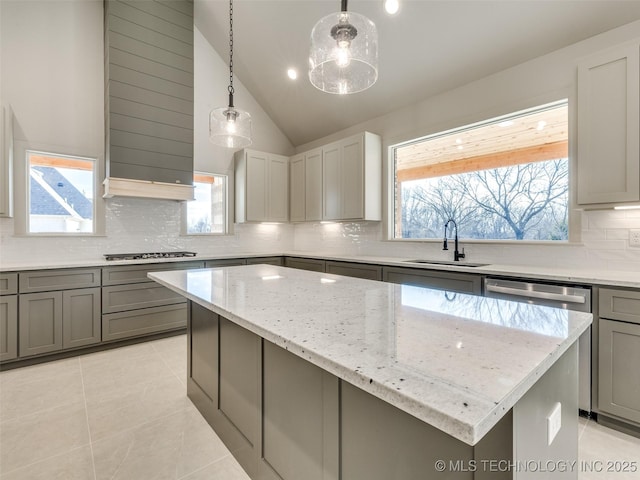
point(344, 53)
point(228, 126)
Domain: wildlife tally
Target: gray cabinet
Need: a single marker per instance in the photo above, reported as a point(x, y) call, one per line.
point(8, 327)
point(268, 260)
point(619, 355)
point(8, 283)
point(312, 264)
point(305, 186)
point(225, 262)
point(132, 305)
point(80, 317)
point(149, 72)
point(40, 323)
point(608, 156)
point(6, 161)
point(451, 281)
point(58, 309)
point(358, 270)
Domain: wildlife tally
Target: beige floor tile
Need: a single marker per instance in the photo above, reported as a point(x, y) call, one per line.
point(74, 465)
point(43, 371)
point(607, 454)
point(141, 403)
point(226, 469)
point(32, 438)
point(24, 397)
point(169, 448)
point(119, 374)
point(177, 343)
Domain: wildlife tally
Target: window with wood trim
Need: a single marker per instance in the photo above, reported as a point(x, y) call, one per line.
point(207, 214)
point(60, 193)
point(502, 179)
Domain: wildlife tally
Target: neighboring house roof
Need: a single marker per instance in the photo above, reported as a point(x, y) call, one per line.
point(50, 193)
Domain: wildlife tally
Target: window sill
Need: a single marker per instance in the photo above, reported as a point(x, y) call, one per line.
point(537, 243)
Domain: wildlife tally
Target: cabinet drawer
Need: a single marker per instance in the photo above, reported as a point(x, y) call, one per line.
point(358, 270)
point(312, 264)
point(454, 282)
point(225, 262)
point(138, 273)
point(620, 305)
point(119, 298)
point(8, 283)
point(49, 280)
point(143, 322)
point(268, 260)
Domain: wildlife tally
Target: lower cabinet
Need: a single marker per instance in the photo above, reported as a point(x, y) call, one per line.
point(312, 264)
point(268, 260)
point(451, 281)
point(284, 418)
point(51, 321)
point(618, 372)
point(619, 357)
point(8, 327)
point(358, 270)
point(225, 262)
point(144, 321)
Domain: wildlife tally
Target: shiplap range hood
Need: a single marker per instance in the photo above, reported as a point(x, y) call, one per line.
point(149, 99)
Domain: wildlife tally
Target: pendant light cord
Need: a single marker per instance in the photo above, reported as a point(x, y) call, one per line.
point(231, 91)
point(344, 5)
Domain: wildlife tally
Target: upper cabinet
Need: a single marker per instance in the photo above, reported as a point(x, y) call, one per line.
point(6, 162)
point(352, 178)
point(149, 98)
point(305, 185)
point(262, 187)
point(608, 155)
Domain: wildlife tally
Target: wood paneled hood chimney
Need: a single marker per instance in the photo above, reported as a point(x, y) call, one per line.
point(149, 98)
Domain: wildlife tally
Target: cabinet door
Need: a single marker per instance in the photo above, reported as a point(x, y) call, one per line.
point(267, 260)
point(311, 264)
point(453, 282)
point(619, 376)
point(352, 178)
point(331, 182)
point(40, 323)
point(225, 262)
point(256, 185)
point(297, 189)
point(80, 317)
point(608, 125)
point(313, 185)
point(8, 327)
point(278, 189)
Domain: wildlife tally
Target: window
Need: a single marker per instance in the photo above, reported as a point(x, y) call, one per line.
point(207, 214)
point(503, 179)
point(60, 193)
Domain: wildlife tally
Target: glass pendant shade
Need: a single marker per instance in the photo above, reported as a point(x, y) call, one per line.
point(230, 127)
point(344, 53)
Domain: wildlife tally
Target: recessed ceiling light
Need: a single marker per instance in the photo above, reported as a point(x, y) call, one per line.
point(292, 73)
point(392, 6)
point(459, 141)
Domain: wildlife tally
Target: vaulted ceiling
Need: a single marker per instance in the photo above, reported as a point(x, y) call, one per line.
point(428, 47)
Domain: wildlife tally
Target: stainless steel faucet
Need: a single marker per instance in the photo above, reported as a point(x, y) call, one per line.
point(456, 254)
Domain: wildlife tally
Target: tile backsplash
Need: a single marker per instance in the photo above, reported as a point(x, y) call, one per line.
point(604, 244)
point(139, 225)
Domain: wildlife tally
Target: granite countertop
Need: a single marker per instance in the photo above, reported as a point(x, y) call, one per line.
point(458, 362)
point(588, 276)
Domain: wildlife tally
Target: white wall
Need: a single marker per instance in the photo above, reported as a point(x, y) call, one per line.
point(604, 234)
point(52, 75)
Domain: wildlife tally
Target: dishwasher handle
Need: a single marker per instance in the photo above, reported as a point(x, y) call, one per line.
point(559, 297)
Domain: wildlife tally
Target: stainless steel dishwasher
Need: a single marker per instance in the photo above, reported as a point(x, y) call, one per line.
point(568, 297)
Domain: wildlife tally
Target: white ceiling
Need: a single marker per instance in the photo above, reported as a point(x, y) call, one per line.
point(429, 47)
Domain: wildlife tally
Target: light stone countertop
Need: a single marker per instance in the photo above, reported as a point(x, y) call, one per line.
point(458, 362)
point(588, 276)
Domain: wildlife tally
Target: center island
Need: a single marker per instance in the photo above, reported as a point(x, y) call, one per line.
point(308, 375)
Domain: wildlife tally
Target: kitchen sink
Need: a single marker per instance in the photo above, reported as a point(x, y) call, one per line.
point(447, 262)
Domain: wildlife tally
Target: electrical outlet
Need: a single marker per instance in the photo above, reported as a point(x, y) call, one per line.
point(634, 238)
point(554, 423)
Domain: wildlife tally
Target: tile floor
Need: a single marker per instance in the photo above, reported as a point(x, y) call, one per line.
point(124, 414)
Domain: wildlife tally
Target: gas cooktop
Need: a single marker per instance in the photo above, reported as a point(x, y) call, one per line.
point(147, 255)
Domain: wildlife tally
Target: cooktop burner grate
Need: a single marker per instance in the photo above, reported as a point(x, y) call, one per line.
point(147, 255)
